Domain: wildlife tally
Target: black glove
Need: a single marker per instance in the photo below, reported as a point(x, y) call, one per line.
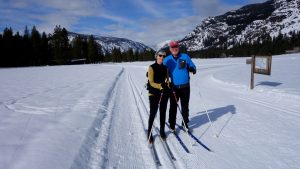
point(164, 85)
point(171, 85)
point(193, 70)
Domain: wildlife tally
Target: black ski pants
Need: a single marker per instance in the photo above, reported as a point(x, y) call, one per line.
point(154, 101)
point(182, 94)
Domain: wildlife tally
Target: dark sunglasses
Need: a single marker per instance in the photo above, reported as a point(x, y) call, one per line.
point(175, 47)
point(161, 55)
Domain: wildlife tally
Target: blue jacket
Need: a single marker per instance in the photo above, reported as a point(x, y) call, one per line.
point(179, 68)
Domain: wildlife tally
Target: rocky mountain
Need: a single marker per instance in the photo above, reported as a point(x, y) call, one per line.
point(108, 43)
point(248, 24)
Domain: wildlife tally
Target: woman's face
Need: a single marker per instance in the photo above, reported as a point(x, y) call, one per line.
point(160, 58)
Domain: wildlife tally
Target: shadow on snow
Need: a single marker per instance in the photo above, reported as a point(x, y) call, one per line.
point(201, 117)
point(266, 83)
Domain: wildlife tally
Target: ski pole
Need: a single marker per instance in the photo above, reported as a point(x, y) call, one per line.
point(179, 108)
point(215, 135)
point(181, 114)
point(155, 115)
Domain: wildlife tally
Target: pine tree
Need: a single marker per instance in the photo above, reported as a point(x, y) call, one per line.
point(85, 49)
point(92, 50)
point(18, 55)
point(60, 44)
point(136, 55)
point(1, 51)
point(116, 55)
point(130, 55)
point(100, 57)
point(27, 48)
point(45, 53)
point(36, 46)
point(7, 47)
point(77, 48)
point(108, 57)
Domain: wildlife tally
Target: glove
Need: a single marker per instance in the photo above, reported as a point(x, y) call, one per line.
point(171, 85)
point(164, 85)
point(193, 70)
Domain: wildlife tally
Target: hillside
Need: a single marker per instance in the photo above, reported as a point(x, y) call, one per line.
point(249, 24)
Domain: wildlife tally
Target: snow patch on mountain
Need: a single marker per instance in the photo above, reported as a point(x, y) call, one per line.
point(107, 44)
point(247, 24)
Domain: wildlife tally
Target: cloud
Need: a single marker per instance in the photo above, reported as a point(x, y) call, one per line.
point(150, 8)
point(54, 19)
point(74, 7)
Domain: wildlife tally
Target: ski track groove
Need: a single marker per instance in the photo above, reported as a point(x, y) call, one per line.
point(117, 155)
point(145, 112)
point(91, 154)
point(138, 108)
point(110, 99)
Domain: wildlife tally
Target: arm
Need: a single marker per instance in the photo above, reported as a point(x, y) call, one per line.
point(151, 79)
point(191, 66)
point(168, 79)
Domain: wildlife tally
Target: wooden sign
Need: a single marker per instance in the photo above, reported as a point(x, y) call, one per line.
point(260, 65)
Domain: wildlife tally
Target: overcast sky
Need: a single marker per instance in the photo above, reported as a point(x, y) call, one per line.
point(149, 22)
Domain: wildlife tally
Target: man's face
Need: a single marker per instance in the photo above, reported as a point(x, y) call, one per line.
point(174, 50)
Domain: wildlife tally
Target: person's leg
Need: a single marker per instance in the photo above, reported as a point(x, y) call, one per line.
point(184, 100)
point(163, 108)
point(173, 110)
point(153, 99)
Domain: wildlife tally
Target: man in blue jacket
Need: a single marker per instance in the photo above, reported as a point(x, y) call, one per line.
point(179, 65)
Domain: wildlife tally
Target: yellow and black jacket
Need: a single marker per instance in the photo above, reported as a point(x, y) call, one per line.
point(157, 74)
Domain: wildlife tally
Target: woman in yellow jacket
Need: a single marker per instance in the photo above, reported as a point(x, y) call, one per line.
point(158, 93)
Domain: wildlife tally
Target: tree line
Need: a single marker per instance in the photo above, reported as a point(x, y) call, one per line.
point(33, 48)
point(265, 45)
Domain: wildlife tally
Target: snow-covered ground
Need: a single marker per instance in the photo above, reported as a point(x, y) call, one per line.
point(94, 116)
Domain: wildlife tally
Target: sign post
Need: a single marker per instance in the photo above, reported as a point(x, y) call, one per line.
point(252, 72)
point(260, 65)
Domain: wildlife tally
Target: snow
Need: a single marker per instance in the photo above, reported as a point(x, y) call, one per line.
point(94, 116)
